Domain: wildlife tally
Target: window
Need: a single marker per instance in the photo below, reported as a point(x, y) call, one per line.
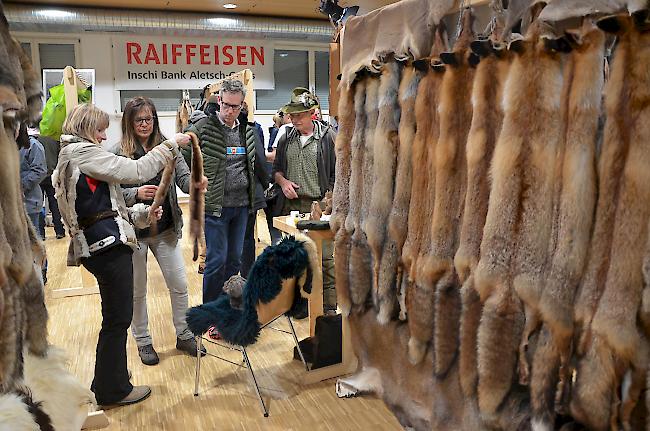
point(56, 56)
point(322, 66)
point(291, 70)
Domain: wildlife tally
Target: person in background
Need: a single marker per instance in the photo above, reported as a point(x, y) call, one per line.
point(273, 143)
point(281, 123)
point(87, 182)
point(140, 134)
point(304, 168)
point(261, 183)
point(228, 148)
point(51, 148)
point(33, 170)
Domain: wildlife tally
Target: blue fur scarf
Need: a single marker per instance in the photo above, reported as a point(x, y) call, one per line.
point(287, 259)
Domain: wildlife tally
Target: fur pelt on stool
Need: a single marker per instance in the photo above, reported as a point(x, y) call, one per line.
point(293, 257)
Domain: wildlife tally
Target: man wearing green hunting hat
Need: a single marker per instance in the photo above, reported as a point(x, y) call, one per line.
point(304, 169)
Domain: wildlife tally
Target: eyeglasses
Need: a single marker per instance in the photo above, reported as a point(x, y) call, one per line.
point(228, 106)
point(146, 120)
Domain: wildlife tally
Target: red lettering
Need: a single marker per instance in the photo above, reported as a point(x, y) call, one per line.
point(133, 50)
point(152, 55)
point(241, 55)
point(203, 50)
point(227, 53)
point(216, 54)
point(259, 55)
point(176, 52)
point(164, 50)
point(189, 52)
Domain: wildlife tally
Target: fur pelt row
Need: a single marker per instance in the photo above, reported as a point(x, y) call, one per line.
point(519, 235)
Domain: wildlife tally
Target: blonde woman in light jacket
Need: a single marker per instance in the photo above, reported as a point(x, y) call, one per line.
point(87, 182)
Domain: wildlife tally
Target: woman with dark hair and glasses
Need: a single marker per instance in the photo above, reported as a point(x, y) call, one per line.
point(140, 134)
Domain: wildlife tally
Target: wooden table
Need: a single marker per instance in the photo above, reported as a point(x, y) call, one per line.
point(348, 362)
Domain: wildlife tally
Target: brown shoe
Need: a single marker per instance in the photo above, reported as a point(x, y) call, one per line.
point(138, 393)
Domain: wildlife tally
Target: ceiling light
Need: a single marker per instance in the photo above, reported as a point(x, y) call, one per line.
point(284, 54)
point(229, 6)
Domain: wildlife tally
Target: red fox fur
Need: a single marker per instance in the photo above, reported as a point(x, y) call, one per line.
point(574, 219)
point(197, 197)
point(487, 118)
point(615, 337)
point(419, 300)
point(436, 270)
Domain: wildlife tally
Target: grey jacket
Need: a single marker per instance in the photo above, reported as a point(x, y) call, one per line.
point(78, 156)
point(181, 178)
point(33, 170)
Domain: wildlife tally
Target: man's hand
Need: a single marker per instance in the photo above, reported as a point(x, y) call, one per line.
point(182, 139)
point(146, 192)
point(289, 189)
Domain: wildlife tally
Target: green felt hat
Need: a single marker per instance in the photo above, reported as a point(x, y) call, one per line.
point(301, 101)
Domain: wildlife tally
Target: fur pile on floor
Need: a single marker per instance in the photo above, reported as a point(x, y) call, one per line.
point(511, 262)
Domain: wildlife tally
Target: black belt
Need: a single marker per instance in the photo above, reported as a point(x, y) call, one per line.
point(86, 222)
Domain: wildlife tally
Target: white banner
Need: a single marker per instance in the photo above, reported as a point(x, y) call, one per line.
point(152, 63)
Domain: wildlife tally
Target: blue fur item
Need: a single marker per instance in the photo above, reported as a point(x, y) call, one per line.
point(288, 259)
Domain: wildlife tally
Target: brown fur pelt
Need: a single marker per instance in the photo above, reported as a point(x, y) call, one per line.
point(386, 142)
point(436, 270)
point(183, 113)
point(161, 193)
point(352, 220)
point(574, 220)
point(614, 333)
point(487, 118)
point(360, 257)
point(520, 196)
point(197, 197)
point(341, 195)
point(390, 275)
point(419, 300)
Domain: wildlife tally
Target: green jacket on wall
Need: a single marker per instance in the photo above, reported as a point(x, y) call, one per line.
point(210, 132)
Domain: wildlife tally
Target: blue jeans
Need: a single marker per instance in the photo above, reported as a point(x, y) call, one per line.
point(224, 240)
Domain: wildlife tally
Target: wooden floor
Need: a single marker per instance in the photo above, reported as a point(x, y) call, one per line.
point(227, 399)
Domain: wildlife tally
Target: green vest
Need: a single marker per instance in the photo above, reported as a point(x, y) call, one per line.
point(210, 132)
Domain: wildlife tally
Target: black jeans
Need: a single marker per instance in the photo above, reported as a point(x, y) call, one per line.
point(248, 251)
point(113, 270)
point(48, 189)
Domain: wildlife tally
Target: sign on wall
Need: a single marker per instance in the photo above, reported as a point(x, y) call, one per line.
point(152, 63)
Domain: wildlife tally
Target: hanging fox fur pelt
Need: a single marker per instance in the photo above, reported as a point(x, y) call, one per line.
point(360, 257)
point(161, 193)
point(397, 219)
point(390, 276)
point(577, 200)
point(522, 168)
point(386, 142)
point(616, 346)
point(436, 271)
point(185, 109)
point(197, 197)
point(487, 118)
point(341, 197)
point(419, 301)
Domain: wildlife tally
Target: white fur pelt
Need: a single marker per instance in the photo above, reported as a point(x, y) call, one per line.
point(360, 256)
point(390, 275)
point(487, 118)
point(14, 415)
point(577, 200)
point(419, 300)
point(385, 147)
point(436, 270)
point(616, 342)
point(62, 396)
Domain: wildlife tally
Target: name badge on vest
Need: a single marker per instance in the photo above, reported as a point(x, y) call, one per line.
point(239, 151)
